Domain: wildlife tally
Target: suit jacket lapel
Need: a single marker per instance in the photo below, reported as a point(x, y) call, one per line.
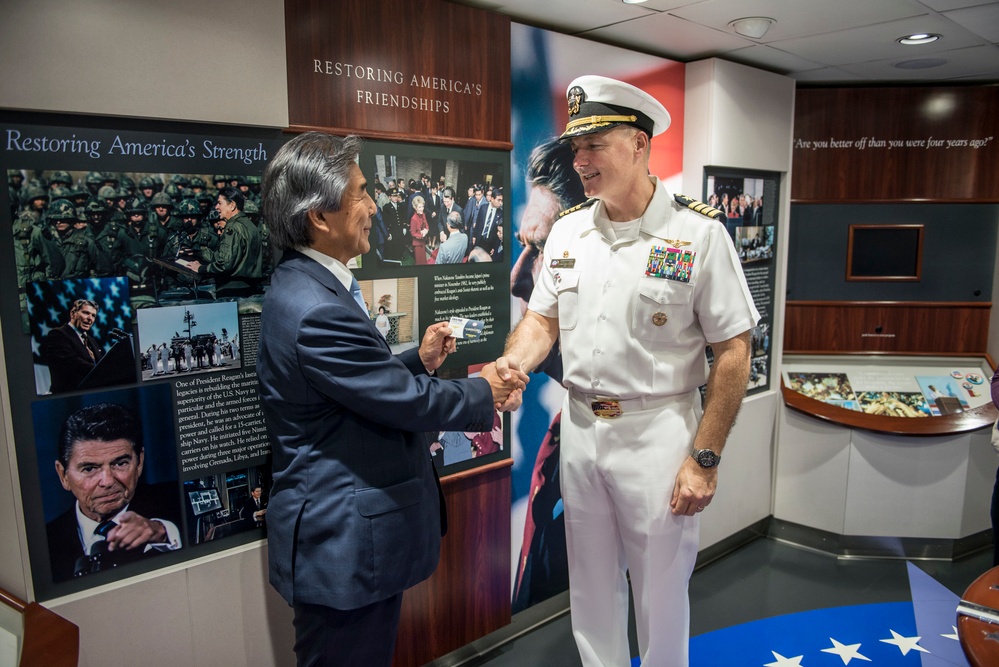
point(326, 278)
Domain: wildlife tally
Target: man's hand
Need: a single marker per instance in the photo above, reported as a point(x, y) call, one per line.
point(694, 488)
point(437, 344)
point(507, 369)
point(508, 389)
point(134, 531)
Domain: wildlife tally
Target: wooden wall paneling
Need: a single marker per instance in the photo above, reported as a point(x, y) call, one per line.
point(411, 70)
point(949, 144)
point(47, 639)
point(469, 595)
point(886, 327)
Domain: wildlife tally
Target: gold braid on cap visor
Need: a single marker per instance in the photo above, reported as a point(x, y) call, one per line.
point(597, 121)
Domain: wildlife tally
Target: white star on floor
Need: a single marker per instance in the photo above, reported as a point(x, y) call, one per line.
point(785, 662)
point(845, 652)
point(953, 636)
point(904, 644)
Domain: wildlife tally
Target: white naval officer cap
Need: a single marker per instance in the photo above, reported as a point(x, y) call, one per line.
point(598, 103)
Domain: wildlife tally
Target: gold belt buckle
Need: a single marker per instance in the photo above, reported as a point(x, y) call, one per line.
point(606, 408)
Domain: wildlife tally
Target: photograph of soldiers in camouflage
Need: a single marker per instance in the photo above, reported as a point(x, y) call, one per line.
point(80, 334)
point(176, 237)
point(194, 338)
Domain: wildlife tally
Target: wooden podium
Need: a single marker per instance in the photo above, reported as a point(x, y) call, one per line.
point(45, 638)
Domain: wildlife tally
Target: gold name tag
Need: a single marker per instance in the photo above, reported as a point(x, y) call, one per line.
point(563, 263)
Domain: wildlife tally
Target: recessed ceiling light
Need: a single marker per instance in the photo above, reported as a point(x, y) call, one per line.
point(918, 38)
point(633, 2)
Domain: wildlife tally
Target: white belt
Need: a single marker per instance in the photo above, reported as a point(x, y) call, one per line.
point(609, 407)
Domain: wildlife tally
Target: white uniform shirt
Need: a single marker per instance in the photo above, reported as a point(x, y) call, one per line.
point(625, 333)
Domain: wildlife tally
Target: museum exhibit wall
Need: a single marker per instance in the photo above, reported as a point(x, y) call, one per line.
point(163, 61)
point(741, 117)
point(219, 609)
point(868, 157)
point(930, 163)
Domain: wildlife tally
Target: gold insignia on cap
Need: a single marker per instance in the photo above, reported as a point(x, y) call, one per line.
point(659, 319)
point(590, 122)
point(575, 96)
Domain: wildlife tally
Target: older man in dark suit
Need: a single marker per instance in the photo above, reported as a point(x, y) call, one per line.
point(69, 351)
point(116, 519)
point(355, 512)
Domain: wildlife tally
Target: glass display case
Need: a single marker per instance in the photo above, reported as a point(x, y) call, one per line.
point(904, 395)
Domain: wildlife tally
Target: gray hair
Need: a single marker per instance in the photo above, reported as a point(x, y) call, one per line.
point(309, 173)
point(454, 221)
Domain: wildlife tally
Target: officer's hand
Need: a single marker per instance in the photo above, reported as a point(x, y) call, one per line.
point(694, 488)
point(507, 382)
point(133, 531)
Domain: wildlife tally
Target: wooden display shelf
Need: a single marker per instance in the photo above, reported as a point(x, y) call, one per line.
point(969, 420)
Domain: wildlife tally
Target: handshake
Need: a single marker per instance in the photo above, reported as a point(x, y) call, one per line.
point(507, 382)
point(504, 375)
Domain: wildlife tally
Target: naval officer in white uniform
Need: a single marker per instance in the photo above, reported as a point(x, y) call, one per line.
point(636, 282)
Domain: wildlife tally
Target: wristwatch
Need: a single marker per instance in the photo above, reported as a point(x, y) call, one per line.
point(706, 458)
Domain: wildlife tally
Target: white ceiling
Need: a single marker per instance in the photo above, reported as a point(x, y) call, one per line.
point(819, 42)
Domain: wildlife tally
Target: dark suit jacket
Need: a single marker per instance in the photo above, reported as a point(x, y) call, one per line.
point(397, 228)
point(483, 239)
point(65, 355)
point(432, 210)
point(354, 512)
point(249, 507)
point(156, 501)
point(442, 217)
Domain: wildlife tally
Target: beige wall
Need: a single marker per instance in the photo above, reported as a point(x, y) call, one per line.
point(220, 61)
point(743, 118)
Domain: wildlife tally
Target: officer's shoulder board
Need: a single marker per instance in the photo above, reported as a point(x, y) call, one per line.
point(578, 207)
point(699, 207)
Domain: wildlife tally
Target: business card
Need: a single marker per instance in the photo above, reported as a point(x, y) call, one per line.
point(467, 329)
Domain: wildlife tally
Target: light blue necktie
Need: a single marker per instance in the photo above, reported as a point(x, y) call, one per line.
point(355, 291)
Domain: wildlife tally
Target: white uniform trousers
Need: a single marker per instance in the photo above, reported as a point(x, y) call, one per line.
point(617, 481)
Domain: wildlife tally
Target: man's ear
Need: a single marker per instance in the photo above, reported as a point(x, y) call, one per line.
point(61, 471)
point(641, 141)
point(318, 221)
